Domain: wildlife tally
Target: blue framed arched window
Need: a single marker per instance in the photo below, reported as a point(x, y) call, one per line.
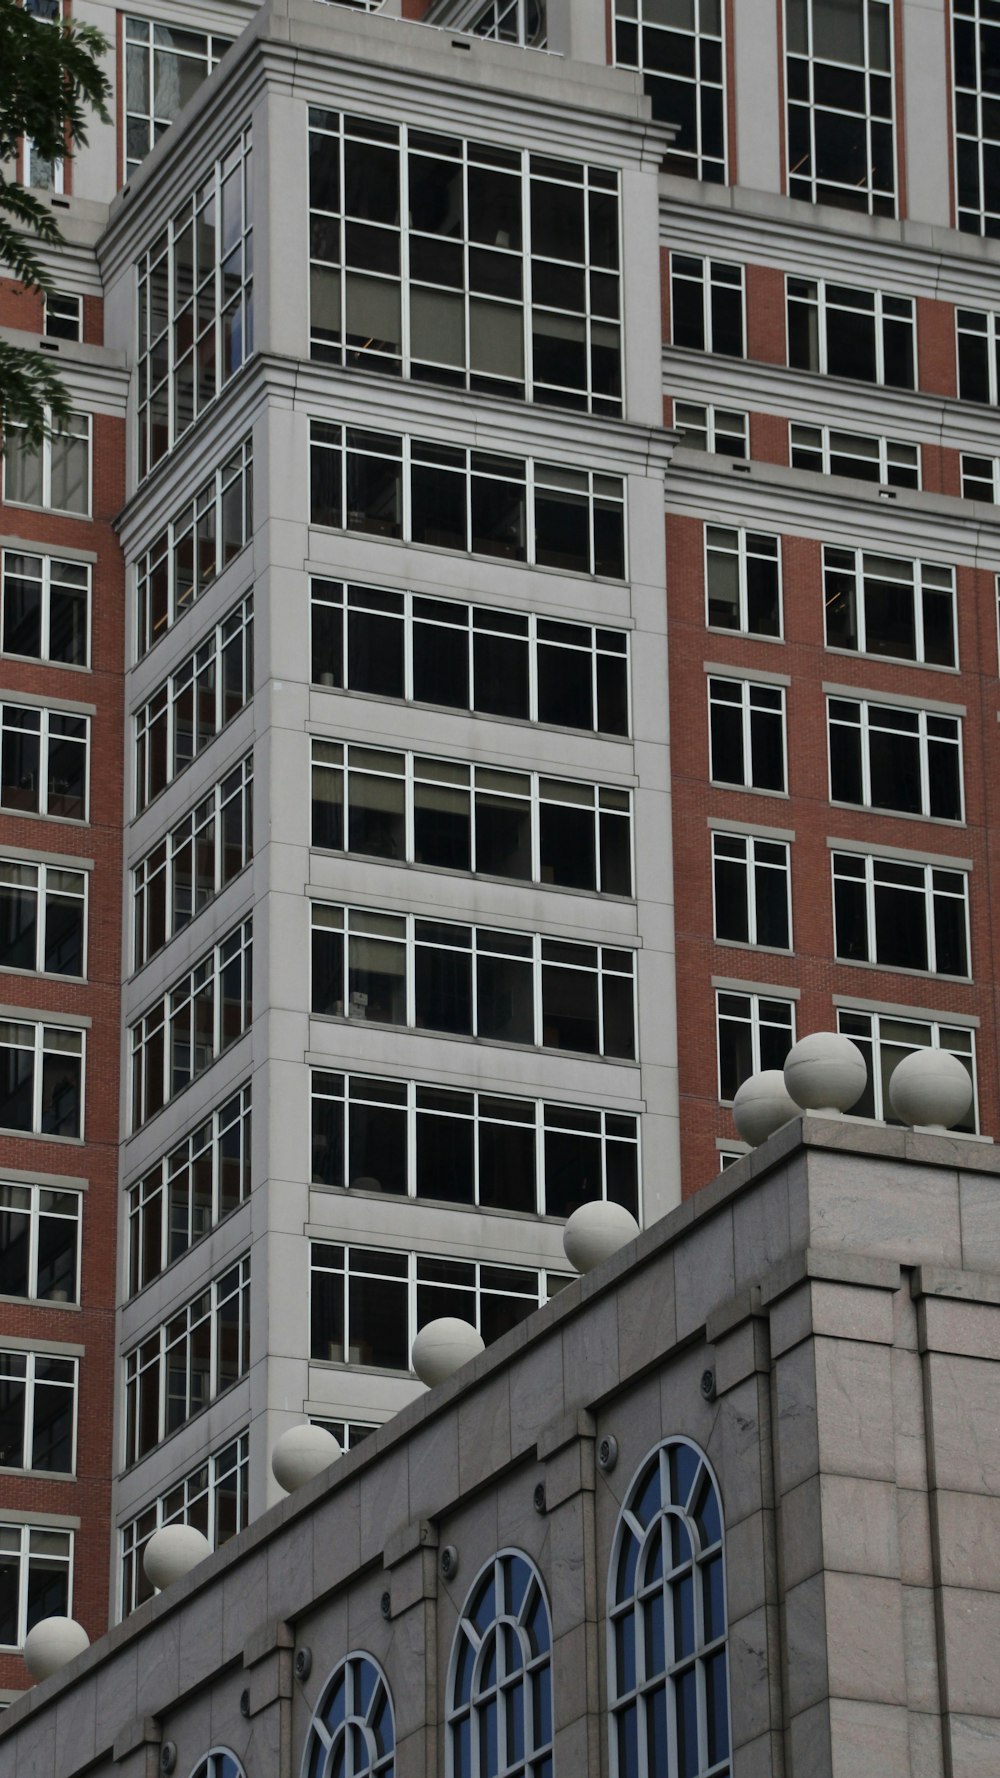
point(219, 1763)
point(668, 1680)
point(352, 1733)
point(499, 1704)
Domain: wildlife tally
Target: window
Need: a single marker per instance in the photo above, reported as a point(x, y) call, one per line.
point(981, 478)
point(220, 1763)
point(978, 355)
point(40, 171)
point(866, 457)
point(54, 474)
point(43, 918)
point(37, 1412)
point(368, 1304)
point(63, 316)
point(348, 1433)
point(706, 297)
point(459, 262)
point(717, 429)
point(976, 46)
point(474, 501)
point(511, 21)
point(194, 704)
point(679, 49)
point(752, 884)
point(184, 871)
point(885, 605)
point(755, 1031)
point(499, 1708)
point(43, 762)
point(471, 818)
point(352, 1728)
point(843, 332)
point(885, 757)
point(435, 975)
point(189, 1360)
point(747, 734)
point(186, 1030)
point(902, 916)
point(523, 1156)
point(742, 581)
point(840, 104)
point(36, 1579)
point(213, 1498)
point(40, 1243)
point(202, 538)
point(667, 1663)
point(41, 1079)
point(189, 1190)
point(195, 304)
point(885, 1039)
point(470, 657)
point(45, 609)
point(164, 67)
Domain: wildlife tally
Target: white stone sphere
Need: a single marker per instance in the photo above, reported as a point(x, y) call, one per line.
point(762, 1104)
point(825, 1072)
point(930, 1088)
point(172, 1552)
point(53, 1642)
point(442, 1347)
point(596, 1230)
point(301, 1453)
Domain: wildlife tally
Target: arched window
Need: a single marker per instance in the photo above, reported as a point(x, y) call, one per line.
point(352, 1733)
point(500, 1678)
point(667, 1670)
point(219, 1763)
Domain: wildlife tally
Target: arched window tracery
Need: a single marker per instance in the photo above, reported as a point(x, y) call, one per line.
point(352, 1733)
point(499, 1700)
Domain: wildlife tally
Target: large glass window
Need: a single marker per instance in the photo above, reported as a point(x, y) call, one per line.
point(889, 606)
point(45, 609)
point(37, 1412)
point(976, 49)
point(843, 332)
point(668, 1674)
point(202, 538)
point(707, 302)
point(36, 1579)
point(164, 67)
point(752, 881)
point(184, 1031)
point(189, 1190)
point(187, 1361)
point(742, 581)
point(866, 457)
point(55, 474)
point(901, 915)
point(978, 355)
point(195, 861)
point(43, 918)
point(43, 762)
point(40, 1242)
point(351, 1730)
point(883, 756)
point(680, 49)
point(41, 1079)
point(884, 1039)
point(214, 1498)
point(194, 704)
point(499, 1699)
point(462, 262)
point(754, 1031)
point(747, 734)
point(838, 68)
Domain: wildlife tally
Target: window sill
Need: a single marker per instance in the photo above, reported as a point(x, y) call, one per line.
point(501, 1043)
point(41, 1475)
point(745, 635)
point(369, 1370)
point(471, 555)
point(40, 1302)
point(37, 815)
point(36, 660)
point(47, 1135)
point(746, 944)
point(43, 975)
point(925, 975)
point(898, 814)
point(471, 876)
point(749, 789)
point(891, 660)
point(59, 512)
point(315, 1233)
point(546, 728)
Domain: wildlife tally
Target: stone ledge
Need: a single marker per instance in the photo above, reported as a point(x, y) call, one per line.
point(949, 1281)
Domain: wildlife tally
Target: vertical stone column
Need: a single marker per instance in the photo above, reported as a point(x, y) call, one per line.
point(566, 1448)
point(755, 62)
point(923, 147)
point(410, 1602)
point(578, 29)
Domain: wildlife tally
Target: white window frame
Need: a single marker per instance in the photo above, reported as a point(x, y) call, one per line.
point(747, 688)
point(165, 1364)
point(991, 334)
point(873, 961)
point(866, 71)
point(741, 552)
point(183, 832)
point(49, 563)
point(182, 994)
point(35, 1213)
point(939, 1025)
point(967, 475)
point(157, 1507)
point(38, 1052)
point(155, 1181)
point(982, 210)
point(755, 996)
point(28, 1434)
point(866, 706)
point(884, 443)
point(49, 302)
point(878, 315)
point(24, 1562)
point(696, 160)
point(516, 1684)
point(708, 282)
point(45, 448)
point(42, 873)
point(712, 428)
point(916, 566)
point(751, 865)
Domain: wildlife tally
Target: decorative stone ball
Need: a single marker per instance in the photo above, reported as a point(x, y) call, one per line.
point(301, 1453)
point(762, 1105)
point(596, 1230)
point(825, 1072)
point(442, 1347)
point(930, 1088)
point(53, 1642)
point(172, 1552)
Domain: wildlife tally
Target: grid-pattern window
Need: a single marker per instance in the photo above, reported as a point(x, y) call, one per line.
point(37, 1412)
point(214, 1498)
point(883, 756)
point(707, 305)
point(890, 606)
point(747, 734)
point(43, 918)
point(186, 1030)
point(36, 1579)
point(194, 704)
point(511, 21)
point(667, 1660)
point(884, 1040)
point(473, 501)
point(195, 861)
point(978, 355)
point(200, 541)
point(45, 608)
point(41, 1079)
point(752, 883)
point(352, 1729)
point(680, 50)
point(461, 262)
point(195, 307)
point(754, 1031)
point(981, 478)
point(369, 1303)
point(348, 1433)
point(844, 332)
point(976, 64)
point(473, 981)
point(865, 456)
point(187, 1361)
point(164, 67)
point(742, 581)
point(470, 657)
point(724, 431)
point(43, 762)
point(900, 915)
point(838, 67)
point(411, 1139)
point(499, 1694)
point(54, 474)
point(439, 812)
point(40, 1242)
point(62, 316)
point(189, 1190)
